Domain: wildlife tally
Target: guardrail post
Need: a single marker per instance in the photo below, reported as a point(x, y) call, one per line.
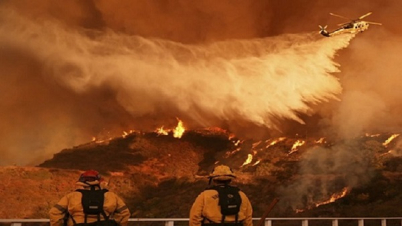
point(268, 223)
point(383, 222)
point(335, 222)
point(304, 222)
point(361, 222)
point(169, 223)
point(16, 224)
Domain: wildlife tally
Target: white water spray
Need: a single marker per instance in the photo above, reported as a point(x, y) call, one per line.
point(256, 81)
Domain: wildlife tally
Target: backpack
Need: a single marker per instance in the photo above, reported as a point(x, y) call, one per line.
point(92, 203)
point(229, 201)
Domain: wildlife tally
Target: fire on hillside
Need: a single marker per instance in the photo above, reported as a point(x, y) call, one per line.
point(256, 146)
point(306, 173)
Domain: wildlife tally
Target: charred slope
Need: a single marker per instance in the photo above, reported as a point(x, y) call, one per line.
point(160, 176)
point(138, 149)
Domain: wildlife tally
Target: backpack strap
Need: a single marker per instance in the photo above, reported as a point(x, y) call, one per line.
point(103, 211)
point(74, 222)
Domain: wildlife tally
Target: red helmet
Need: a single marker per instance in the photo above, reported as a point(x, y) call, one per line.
point(90, 175)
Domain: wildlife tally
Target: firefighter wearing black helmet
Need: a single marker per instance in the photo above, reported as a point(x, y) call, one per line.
point(221, 202)
point(89, 205)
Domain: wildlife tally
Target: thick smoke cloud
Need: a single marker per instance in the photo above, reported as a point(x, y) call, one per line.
point(328, 171)
point(369, 104)
point(250, 80)
point(83, 69)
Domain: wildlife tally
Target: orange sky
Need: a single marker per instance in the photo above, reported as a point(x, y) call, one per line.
point(95, 68)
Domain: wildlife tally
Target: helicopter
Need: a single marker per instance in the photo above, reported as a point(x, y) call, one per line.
point(354, 26)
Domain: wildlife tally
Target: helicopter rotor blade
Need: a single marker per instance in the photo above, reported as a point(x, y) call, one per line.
point(323, 28)
point(341, 25)
point(367, 14)
point(333, 14)
point(369, 22)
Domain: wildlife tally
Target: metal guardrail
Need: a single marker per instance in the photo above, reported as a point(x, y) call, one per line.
point(360, 221)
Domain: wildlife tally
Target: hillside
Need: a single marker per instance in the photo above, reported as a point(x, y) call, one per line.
point(160, 176)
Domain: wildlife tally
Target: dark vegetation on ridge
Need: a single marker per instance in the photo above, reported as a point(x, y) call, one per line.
point(160, 176)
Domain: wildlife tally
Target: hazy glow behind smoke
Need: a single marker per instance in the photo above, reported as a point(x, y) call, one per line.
point(251, 80)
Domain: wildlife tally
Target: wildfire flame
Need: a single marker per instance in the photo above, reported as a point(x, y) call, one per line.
point(320, 141)
point(390, 139)
point(275, 141)
point(372, 135)
point(256, 163)
point(161, 131)
point(124, 134)
point(94, 139)
point(256, 144)
point(230, 153)
point(334, 197)
point(236, 143)
point(248, 160)
point(388, 152)
point(297, 144)
point(179, 130)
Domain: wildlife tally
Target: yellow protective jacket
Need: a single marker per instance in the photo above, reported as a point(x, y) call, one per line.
point(206, 208)
point(113, 206)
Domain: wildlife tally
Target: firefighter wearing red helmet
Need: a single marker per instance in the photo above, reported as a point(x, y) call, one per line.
point(221, 203)
point(89, 205)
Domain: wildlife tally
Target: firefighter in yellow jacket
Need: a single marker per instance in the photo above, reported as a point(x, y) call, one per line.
point(209, 208)
point(72, 211)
